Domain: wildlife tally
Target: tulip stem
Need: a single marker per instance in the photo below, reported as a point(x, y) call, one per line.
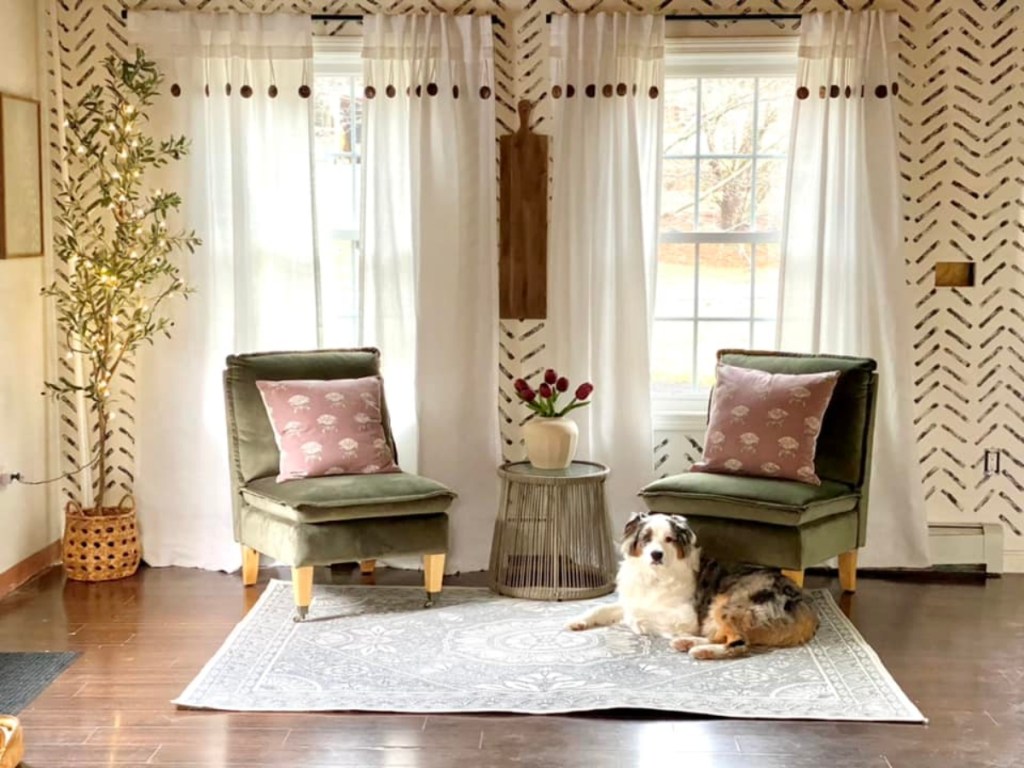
point(573, 406)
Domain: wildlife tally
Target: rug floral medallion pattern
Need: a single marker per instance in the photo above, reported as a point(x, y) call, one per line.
point(377, 649)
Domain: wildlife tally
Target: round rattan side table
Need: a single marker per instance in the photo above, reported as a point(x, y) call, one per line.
point(552, 538)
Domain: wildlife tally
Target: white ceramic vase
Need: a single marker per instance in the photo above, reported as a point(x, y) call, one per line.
point(550, 442)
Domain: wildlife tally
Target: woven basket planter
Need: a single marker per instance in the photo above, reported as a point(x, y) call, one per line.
point(101, 545)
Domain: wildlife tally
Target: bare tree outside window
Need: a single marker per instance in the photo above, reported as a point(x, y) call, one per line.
point(723, 177)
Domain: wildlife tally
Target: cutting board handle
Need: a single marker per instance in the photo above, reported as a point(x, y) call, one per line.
point(525, 106)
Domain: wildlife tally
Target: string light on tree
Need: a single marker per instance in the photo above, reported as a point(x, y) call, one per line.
point(116, 271)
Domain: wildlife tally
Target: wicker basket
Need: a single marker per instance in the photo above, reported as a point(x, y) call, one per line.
point(101, 545)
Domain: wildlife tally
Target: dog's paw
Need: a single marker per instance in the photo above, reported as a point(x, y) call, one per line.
point(704, 652)
point(684, 643)
point(577, 625)
point(638, 627)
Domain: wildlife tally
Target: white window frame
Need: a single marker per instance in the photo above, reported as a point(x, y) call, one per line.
point(717, 57)
point(334, 56)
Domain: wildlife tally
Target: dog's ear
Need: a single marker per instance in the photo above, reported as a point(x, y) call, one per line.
point(634, 524)
point(631, 533)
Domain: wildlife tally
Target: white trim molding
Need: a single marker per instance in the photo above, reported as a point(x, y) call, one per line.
point(731, 56)
point(687, 422)
point(338, 55)
point(1013, 561)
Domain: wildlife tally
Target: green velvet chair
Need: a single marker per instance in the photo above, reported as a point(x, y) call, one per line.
point(782, 523)
point(322, 520)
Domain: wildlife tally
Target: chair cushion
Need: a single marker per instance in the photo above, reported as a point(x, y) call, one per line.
point(843, 442)
point(777, 502)
point(348, 497)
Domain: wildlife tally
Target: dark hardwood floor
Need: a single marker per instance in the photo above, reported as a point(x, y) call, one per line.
point(957, 650)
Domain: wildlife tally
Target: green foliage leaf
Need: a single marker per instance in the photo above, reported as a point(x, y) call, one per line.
point(118, 257)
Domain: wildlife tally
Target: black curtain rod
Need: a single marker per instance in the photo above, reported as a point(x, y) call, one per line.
point(734, 17)
point(337, 17)
point(670, 17)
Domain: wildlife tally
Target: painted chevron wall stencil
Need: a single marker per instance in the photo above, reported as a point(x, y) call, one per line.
point(961, 125)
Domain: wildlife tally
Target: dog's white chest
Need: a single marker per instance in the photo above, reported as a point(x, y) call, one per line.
point(658, 601)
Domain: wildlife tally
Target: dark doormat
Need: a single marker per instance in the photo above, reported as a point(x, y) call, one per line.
point(23, 676)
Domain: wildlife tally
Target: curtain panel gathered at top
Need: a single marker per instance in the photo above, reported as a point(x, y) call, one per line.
point(607, 94)
point(430, 300)
point(239, 87)
point(843, 286)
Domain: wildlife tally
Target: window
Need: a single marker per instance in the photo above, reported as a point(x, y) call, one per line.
point(726, 134)
point(337, 158)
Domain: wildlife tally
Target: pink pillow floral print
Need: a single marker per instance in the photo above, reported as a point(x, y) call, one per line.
point(766, 424)
point(328, 427)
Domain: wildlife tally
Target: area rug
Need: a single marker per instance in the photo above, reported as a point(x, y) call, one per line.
point(376, 649)
point(23, 676)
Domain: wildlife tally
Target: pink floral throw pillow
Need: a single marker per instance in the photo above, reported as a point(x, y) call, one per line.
point(766, 424)
point(328, 427)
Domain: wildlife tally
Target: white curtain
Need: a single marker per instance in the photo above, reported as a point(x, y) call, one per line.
point(607, 84)
point(430, 251)
point(843, 277)
point(238, 87)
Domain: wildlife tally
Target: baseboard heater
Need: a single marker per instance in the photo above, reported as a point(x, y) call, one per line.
point(960, 544)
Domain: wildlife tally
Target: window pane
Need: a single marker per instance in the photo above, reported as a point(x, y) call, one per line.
point(764, 334)
point(338, 114)
point(713, 336)
point(727, 116)
point(672, 357)
point(771, 192)
point(725, 186)
point(680, 135)
point(724, 289)
point(339, 281)
point(677, 189)
point(766, 286)
point(735, 185)
point(673, 296)
point(337, 130)
point(774, 112)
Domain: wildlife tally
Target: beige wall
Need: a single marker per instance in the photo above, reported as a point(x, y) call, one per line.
point(27, 521)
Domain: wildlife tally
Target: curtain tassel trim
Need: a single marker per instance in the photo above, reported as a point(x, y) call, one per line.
point(607, 90)
point(834, 91)
point(246, 91)
point(431, 89)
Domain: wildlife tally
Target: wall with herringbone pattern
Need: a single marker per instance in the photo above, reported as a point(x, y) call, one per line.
point(961, 121)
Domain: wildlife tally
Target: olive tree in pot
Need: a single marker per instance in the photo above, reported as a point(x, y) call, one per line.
point(119, 270)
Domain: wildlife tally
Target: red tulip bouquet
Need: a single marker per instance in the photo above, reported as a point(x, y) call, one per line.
point(544, 400)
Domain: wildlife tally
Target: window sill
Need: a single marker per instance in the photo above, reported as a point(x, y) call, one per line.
point(692, 422)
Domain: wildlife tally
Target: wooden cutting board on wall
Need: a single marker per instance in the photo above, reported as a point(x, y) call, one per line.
point(523, 261)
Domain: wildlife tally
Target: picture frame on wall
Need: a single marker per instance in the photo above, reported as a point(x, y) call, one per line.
point(21, 192)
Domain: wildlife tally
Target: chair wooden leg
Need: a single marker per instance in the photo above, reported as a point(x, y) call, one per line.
point(250, 565)
point(12, 744)
point(433, 575)
point(797, 577)
point(366, 567)
point(302, 588)
point(848, 571)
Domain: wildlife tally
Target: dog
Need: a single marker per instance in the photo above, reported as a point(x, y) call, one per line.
point(667, 589)
point(656, 582)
